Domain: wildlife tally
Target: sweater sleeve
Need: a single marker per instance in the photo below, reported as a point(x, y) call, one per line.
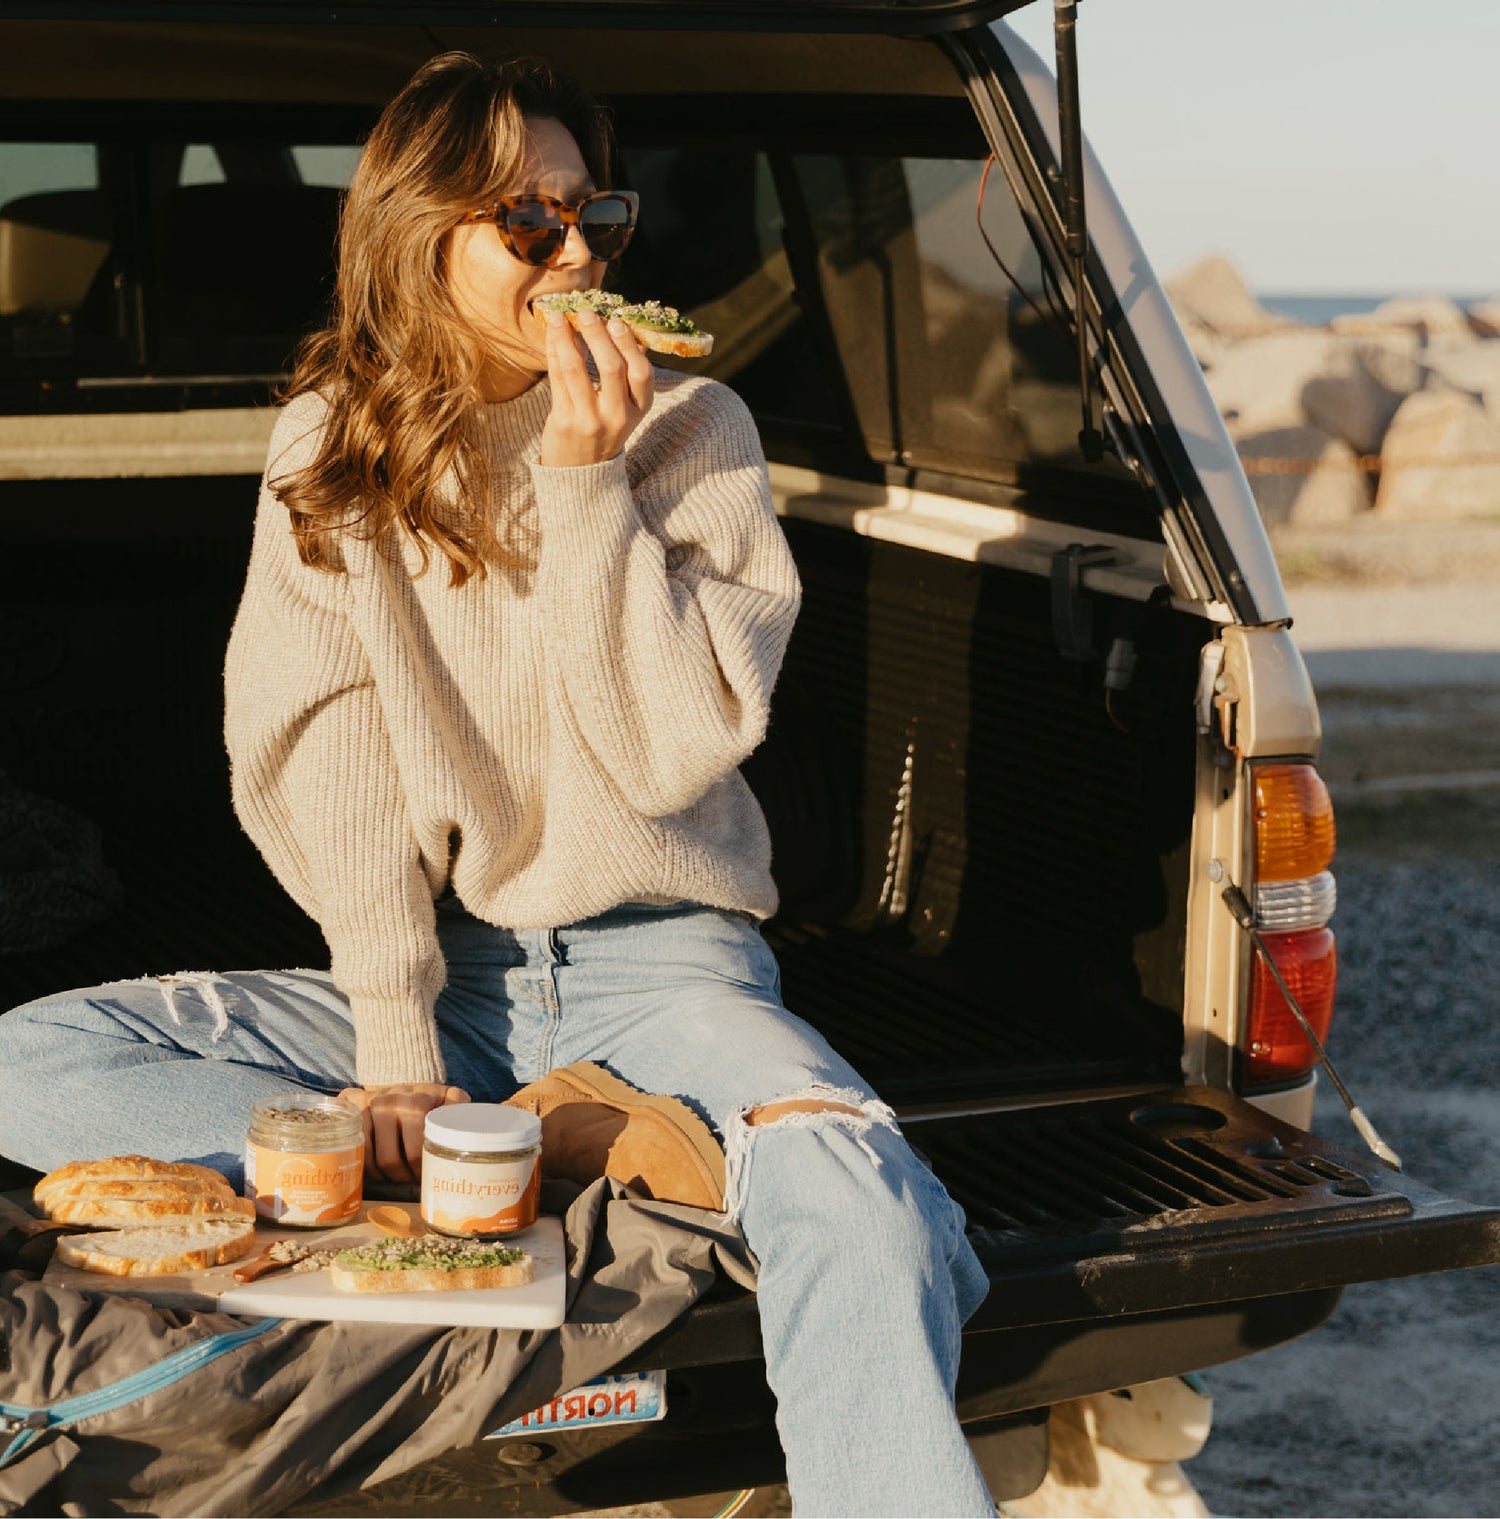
point(669, 605)
point(316, 786)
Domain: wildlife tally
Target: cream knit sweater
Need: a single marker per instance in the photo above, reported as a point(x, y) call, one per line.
point(554, 741)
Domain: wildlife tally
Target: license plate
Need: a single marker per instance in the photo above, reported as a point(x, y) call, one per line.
point(635, 1399)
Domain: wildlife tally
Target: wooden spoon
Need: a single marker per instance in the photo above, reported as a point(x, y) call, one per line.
point(397, 1221)
point(253, 1269)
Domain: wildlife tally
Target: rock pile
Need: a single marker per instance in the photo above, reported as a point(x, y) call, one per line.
point(1394, 412)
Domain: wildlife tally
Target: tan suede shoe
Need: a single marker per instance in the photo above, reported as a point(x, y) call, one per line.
point(594, 1124)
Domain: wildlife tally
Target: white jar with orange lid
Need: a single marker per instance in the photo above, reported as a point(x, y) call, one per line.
point(481, 1169)
point(305, 1159)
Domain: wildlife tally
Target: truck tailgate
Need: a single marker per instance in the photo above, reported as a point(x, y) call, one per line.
point(1156, 1208)
point(1181, 1198)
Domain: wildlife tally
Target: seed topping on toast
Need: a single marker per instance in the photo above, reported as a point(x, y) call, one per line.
point(610, 303)
point(430, 1252)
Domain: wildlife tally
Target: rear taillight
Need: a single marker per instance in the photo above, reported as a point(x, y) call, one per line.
point(1293, 896)
point(1294, 835)
point(1276, 1049)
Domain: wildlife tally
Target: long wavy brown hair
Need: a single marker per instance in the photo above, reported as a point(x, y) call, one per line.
point(396, 363)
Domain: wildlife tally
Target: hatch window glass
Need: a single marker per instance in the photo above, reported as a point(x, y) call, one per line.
point(56, 241)
point(860, 306)
point(954, 366)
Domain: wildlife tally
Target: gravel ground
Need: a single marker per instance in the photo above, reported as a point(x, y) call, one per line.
point(1393, 1407)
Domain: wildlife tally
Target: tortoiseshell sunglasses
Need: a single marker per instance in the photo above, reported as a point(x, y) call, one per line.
point(535, 227)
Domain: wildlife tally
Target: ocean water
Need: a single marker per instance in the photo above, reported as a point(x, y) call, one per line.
point(1314, 310)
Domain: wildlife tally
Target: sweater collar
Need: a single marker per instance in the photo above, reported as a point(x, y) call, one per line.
point(512, 429)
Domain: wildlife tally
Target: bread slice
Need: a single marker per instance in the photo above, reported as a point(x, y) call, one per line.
point(160, 1250)
point(663, 329)
point(63, 1192)
point(430, 1263)
point(124, 1168)
point(149, 1203)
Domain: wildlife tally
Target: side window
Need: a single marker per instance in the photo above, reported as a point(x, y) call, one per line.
point(57, 238)
point(242, 251)
point(952, 367)
point(712, 240)
point(873, 309)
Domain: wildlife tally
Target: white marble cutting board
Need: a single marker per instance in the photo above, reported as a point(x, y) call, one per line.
point(540, 1304)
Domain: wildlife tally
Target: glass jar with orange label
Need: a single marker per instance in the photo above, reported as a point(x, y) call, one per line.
point(305, 1159)
point(481, 1169)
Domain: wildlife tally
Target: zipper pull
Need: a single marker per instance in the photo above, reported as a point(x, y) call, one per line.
point(11, 1424)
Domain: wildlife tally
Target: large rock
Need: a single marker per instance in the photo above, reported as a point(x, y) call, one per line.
point(1427, 315)
point(1441, 459)
point(1303, 477)
point(1290, 379)
point(1473, 367)
point(1484, 317)
point(1211, 294)
point(1395, 359)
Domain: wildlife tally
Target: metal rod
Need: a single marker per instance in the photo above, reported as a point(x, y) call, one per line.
point(1075, 218)
point(1238, 905)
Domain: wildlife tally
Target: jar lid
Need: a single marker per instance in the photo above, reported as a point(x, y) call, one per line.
point(483, 1126)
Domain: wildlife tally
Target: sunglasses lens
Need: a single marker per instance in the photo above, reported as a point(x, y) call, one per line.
point(535, 231)
point(606, 227)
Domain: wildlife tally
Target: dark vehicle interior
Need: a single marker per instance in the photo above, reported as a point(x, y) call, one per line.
point(927, 882)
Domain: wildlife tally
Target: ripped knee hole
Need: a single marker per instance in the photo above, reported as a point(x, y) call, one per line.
point(769, 1112)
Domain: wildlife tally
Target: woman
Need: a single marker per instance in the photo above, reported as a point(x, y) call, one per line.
point(508, 633)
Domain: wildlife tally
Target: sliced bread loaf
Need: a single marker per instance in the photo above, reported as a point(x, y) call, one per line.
point(121, 1190)
point(124, 1168)
point(166, 1203)
point(160, 1250)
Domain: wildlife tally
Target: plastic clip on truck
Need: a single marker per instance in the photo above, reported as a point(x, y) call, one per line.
point(1041, 712)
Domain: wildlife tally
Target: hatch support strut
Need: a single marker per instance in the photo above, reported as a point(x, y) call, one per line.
point(1075, 222)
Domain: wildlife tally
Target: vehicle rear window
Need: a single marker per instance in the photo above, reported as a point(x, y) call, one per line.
point(241, 252)
point(57, 256)
point(141, 257)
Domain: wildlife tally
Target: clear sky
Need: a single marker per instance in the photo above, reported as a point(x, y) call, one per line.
point(1326, 146)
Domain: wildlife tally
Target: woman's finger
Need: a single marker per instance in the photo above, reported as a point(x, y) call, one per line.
point(609, 363)
point(640, 373)
point(413, 1125)
point(390, 1157)
point(565, 365)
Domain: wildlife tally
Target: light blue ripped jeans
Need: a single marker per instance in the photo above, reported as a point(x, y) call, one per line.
point(865, 1274)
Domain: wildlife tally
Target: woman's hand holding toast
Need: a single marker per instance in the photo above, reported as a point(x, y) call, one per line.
point(588, 426)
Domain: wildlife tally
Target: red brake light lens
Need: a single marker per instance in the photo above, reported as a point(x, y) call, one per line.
point(1276, 1049)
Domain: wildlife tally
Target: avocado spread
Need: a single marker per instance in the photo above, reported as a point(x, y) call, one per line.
point(432, 1252)
point(609, 303)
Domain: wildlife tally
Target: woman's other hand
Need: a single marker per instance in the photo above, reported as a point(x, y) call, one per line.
point(394, 1116)
point(588, 426)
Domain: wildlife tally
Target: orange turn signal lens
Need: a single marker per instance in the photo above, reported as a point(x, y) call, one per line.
point(1276, 1048)
point(1294, 833)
